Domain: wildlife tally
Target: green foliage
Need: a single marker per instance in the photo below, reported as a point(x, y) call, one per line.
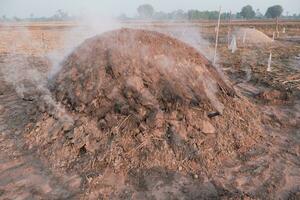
point(247, 12)
point(196, 14)
point(177, 14)
point(274, 11)
point(145, 11)
point(60, 15)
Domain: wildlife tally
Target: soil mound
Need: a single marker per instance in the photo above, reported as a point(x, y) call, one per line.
point(138, 68)
point(251, 36)
point(141, 100)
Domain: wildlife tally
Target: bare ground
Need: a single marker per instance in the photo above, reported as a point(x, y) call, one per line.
point(270, 170)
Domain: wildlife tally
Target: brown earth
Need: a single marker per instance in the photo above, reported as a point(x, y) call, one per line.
point(23, 175)
point(143, 101)
point(124, 145)
point(251, 36)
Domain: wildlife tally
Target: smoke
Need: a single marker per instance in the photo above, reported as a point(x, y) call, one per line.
point(210, 88)
point(190, 35)
point(32, 59)
point(87, 26)
point(182, 73)
point(16, 65)
point(31, 82)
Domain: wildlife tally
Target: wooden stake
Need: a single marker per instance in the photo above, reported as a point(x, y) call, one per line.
point(244, 37)
point(277, 24)
point(269, 63)
point(229, 29)
point(217, 37)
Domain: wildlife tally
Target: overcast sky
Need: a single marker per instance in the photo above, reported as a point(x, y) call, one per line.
point(23, 8)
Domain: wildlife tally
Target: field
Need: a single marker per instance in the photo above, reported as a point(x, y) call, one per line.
point(241, 140)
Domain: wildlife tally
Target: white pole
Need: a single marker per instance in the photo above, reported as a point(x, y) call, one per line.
point(229, 29)
point(244, 37)
point(269, 63)
point(217, 37)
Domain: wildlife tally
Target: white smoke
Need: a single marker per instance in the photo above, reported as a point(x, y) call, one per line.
point(87, 26)
point(30, 81)
point(190, 35)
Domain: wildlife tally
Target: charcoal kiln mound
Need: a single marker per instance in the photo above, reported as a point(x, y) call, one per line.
point(141, 100)
point(138, 68)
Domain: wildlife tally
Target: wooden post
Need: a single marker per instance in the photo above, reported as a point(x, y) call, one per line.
point(229, 29)
point(43, 43)
point(217, 37)
point(277, 24)
point(269, 62)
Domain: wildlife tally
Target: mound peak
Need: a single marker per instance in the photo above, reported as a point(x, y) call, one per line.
point(147, 67)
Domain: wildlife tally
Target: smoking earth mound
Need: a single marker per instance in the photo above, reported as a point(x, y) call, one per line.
point(144, 104)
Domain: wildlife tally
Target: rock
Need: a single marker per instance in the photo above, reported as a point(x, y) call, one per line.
point(207, 127)
point(92, 145)
point(67, 126)
point(102, 124)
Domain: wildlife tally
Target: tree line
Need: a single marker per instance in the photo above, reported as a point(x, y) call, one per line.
point(147, 11)
point(59, 15)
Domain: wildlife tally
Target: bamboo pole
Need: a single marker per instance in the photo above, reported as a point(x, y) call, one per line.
point(277, 27)
point(229, 29)
point(217, 37)
point(269, 69)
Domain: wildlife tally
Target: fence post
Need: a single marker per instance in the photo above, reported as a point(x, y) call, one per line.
point(217, 37)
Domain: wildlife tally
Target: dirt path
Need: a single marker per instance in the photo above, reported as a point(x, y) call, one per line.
point(22, 174)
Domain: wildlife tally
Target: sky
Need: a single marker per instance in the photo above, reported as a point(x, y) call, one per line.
point(23, 8)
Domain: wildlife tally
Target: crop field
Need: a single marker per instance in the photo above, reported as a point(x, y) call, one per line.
point(147, 110)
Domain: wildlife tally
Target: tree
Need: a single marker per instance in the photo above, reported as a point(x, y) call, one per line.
point(193, 14)
point(177, 14)
point(247, 12)
point(258, 14)
point(145, 11)
point(123, 16)
point(60, 15)
point(196, 14)
point(16, 19)
point(274, 11)
point(160, 15)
